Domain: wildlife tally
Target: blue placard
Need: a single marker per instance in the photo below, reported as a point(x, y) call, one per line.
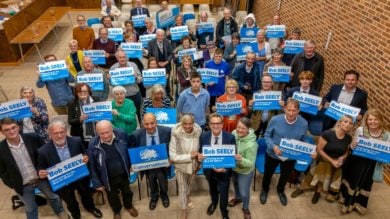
point(53, 70)
point(280, 73)
point(217, 156)
point(243, 48)
point(248, 34)
point(98, 111)
point(188, 16)
point(178, 32)
point(209, 75)
point(373, 149)
point(66, 172)
point(139, 20)
point(122, 76)
point(154, 76)
point(229, 108)
point(98, 56)
point(337, 110)
point(307, 103)
point(166, 18)
point(16, 109)
point(293, 46)
point(148, 157)
point(275, 31)
point(190, 52)
point(205, 27)
point(267, 100)
point(146, 38)
point(297, 150)
point(164, 116)
point(132, 50)
point(116, 34)
point(95, 81)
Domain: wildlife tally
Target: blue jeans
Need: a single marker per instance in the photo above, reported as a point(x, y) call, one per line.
point(31, 206)
point(242, 183)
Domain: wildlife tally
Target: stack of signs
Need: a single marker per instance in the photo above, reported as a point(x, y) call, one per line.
point(229, 108)
point(293, 46)
point(122, 76)
point(164, 116)
point(132, 50)
point(148, 157)
point(275, 31)
point(307, 103)
point(177, 33)
point(208, 75)
point(267, 100)
point(94, 80)
point(146, 38)
point(116, 34)
point(166, 18)
point(280, 73)
point(98, 56)
point(297, 150)
point(337, 110)
point(190, 52)
point(205, 27)
point(243, 48)
point(373, 149)
point(139, 20)
point(219, 156)
point(154, 76)
point(98, 111)
point(16, 109)
point(53, 70)
point(248, 34)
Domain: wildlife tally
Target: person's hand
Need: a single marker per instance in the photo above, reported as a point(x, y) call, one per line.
point(220, 170)
point(213, 108)
point(326, 105)
point(194, 154)
point(354, 145)
point(108, 76)
point(83, 117)
point(35, 111)
point(238, 157)
point(314, 155)
point(277, 150)
point(281, 103)
point(115, 112)
point(37, 71)
point(359, 117)
point(101, 188)
point(201, 157)
point(320, 107)
point(42, 174)
point(203, 46)
point(106, 54)
point(85, 159)
point(243, 111)
point(250, 103)
point(211, 84)
point(161, 64)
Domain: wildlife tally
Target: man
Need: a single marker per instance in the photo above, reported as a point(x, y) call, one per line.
point(295, 35)
point(18, 162)
point(149, 29)
point(218, 179)
point(153, 134)
point(225, 27)
point(347, 93)
point(275, 42)
point(89, 68)
point(110, 165)
point(106, 44)
point(195, 100)
point(139, 10)
point(308, 60)
point(59, 149)
point(110, 10)
point(107, 22)
point(203, 38)
point(83, 34)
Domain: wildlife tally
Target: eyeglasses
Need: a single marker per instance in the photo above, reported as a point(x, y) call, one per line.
point(215, 123)
point(81, 20)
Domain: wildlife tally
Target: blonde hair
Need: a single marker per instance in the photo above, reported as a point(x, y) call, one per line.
point(373, 112)
point(231, 82)
point(155, 89)
point(26, 88)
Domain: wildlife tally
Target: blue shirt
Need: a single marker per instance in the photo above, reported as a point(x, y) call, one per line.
point(149, 138)
point(190, 103)
point(223, 71)
point(63, 152)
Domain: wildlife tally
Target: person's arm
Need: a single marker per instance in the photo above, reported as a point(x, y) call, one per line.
point(269, 132)
point(183, 81)
point(267, 52)
point(130, 113)
point(91, 39)
point(177, 158)
point(73, 118)
point(40, 114)
point(248, 158)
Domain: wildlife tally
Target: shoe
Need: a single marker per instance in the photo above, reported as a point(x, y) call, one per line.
point(225, 217)
point(152, 204)
point(263, 197)
point(165, 203)
point(315, 198)
point(117, 216)
point(296, 193)
point(234, 201)
point(132, 211)
point(283, 198)
point(247, 213)
point(331, 198)
point(96, 213)
point(211, 209)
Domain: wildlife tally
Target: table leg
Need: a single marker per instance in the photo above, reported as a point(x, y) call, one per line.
point(70, 19)
point(21, 52)
point(55, 33)
point(39, 53)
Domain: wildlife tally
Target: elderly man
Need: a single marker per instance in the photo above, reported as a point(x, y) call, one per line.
point(203, 38)
point(59, 149)
point(225, 27)
point(153, 134)
point(89, 68)
point(149, 29)
point(107, 22)
point(106, 44)
point(110, 165)
point(83, 34)
point(274, 42)
point(139, 10)
point(110, 10)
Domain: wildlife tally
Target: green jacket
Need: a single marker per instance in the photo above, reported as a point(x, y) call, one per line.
point(247, 147)
point(126, 120)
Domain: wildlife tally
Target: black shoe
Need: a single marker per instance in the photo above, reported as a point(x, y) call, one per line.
point(315, 198)
point(96, 213)
point(226, 217)
point(211, 209)
point(165, 202)
point(283, 198)
point(263, 197)
point(153, 204)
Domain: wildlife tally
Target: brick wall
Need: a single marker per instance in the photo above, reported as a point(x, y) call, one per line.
point(360, 39)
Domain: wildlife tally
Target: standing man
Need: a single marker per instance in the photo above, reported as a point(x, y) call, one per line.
point(59, 149)
point(110, 165)
point(274, 42)
point(218, 179)
point(225, 27)
point(18, 162)
point(106, 44)
point(139, 10)
point(153, 134)
point(295, 35)
point(111, 11)
point(83, 34)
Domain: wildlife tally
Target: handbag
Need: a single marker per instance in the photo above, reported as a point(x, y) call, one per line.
point(378, 172)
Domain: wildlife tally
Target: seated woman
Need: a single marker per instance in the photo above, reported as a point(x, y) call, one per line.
point(123, 111)
point(74, 60)
point(157, 99)
point(186, 44)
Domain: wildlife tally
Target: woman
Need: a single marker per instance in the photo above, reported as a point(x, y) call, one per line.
point(357, 171)
point(276, 60)
point(39, 121)
point(152, 64)
point(264, 51)
point(184, 72)
point(179, 23)
point(246, 157)
point(157, 99)
point(186, 44)
point(74, 60)
point(183, 151)
point(231, 88)
point(230, 54)
point(123, 111)
point(129, 28)
point(76, 117)
point(150, 29)
point(250, 21)
point(333, 149)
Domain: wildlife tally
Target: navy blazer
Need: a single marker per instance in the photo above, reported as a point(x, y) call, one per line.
point(134, 12)
point(290, 93)
point(138, 138)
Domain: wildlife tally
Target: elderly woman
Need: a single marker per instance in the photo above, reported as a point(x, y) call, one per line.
point(250, 21)
point(183, 151)
point(276, 60)
point(230, 54)
point(357, 171)
point(157, 99)
point(123, 111)
point(74, 60)
point(264, 51)
point(184, 72)
point(186, 44)
point(246, 157)
point(39, 120)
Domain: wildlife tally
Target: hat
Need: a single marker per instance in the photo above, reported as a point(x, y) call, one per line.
point(251, 15)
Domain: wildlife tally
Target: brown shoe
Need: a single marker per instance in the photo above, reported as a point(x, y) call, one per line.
point(247, 213)
point(117, 216)
point(296, 193)
point(132, 211)
point(234, 201)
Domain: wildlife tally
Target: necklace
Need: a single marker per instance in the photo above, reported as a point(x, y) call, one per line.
point(376, 134)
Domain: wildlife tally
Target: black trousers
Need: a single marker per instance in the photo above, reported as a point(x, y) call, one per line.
point(119, 184)
point(270, 166)
point(158, 183)
point(219, 188)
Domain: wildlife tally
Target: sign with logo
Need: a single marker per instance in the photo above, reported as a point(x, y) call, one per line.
point(248, 34)
point(146, 38)
point(337, 110)
point(116, 34)
point(164, 116)
point(275, 31)
point(154, 76)
point(267, 100)
point(205, 27)
point(307, 103)
point(95, 81)
point(132, 50)
point(98, 111)
point(148, 157)
point(98, 57)
point(16, 109)
point(293, 46)
point(122, 76)
point(373, 149)
point(297, 150)
point(166, 18)
point(53, 70)
point(139, 20)
point(219, 156)
point(229, 108)
point(209, 75)
point(243, 48)
point(178, 32)
point(280, 73)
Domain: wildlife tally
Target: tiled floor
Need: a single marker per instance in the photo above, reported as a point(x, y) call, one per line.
point(301, 207)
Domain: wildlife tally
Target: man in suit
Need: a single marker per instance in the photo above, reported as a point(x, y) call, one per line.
point(347, 93)
point(18, 162)
point(218, 179)
point(139, 10)
point(153, 134)
point(59, 149)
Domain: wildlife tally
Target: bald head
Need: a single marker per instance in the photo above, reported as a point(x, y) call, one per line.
point(150, 123)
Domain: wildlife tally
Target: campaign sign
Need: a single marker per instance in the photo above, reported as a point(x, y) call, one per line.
point(66, 172)
point(98, 56)
point(166, 18)
point(267, 100)
point(243, 48)
point(297, 150)
point(229, 108)
point(280, 73)
point(16, 109)
point(164, 116)
point(219, 156)
point(373, 149)
point(98, 111)
point(139, 20)
point(337, 110)
point(190, 52)
point(116, 34)
point(154, 76)
point(209, 75)
point(95, 81)
point(146, 38)
point(248, 34)
point(53, 70)
point(132, 50)
point(205, 27)
point(148, 157)
point(122, 76)
point(275, 31)
point(178, 32)
point(293, 46)
point(307, 103)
